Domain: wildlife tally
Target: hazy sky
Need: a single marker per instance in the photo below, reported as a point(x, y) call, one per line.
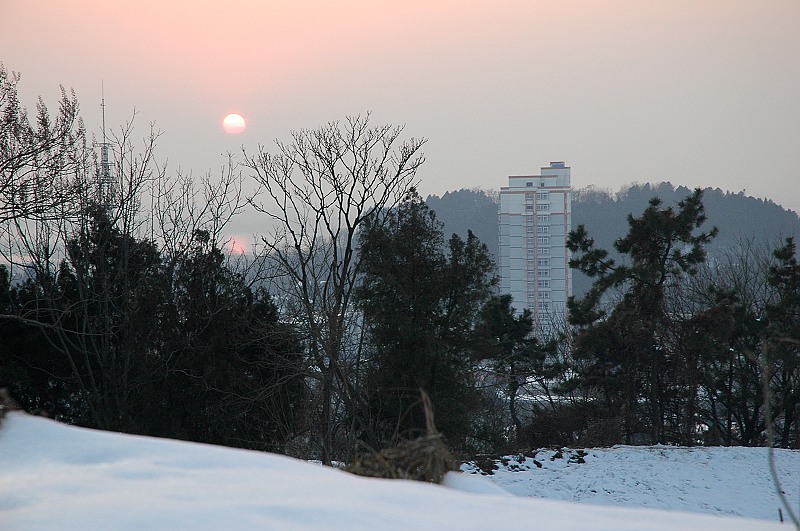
point(696, 92)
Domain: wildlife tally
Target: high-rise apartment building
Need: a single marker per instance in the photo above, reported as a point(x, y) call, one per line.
point(535, 218)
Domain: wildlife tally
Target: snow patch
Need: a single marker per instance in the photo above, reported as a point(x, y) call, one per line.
point(62, 477)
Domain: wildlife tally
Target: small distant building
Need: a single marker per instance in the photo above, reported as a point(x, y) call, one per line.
point(535, 219)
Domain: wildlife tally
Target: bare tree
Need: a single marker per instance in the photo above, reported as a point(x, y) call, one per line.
point(317, 191)
point(38, 162)
point(182, 205)
point(98, 265)
point(82, 263)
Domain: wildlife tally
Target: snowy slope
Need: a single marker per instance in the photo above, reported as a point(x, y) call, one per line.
point(725, 481)
point(54, 476)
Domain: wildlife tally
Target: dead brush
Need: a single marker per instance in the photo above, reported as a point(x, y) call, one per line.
point(425, 458)
point(7, 403)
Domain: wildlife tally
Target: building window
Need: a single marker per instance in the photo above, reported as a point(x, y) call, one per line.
point(529, 183)
point(543, 273)
point(543, 218)
point(529, 197)
point(543, 229)
point(529, 228)
point(541, 196)
point(528, 207)
point(543, 240)
point(542, 207)
point(544, 284)
point(544, 306)
point(544, 295)
point(543, 262)
point(544, 251)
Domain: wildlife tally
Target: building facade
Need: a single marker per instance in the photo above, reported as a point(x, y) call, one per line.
point(535, 218)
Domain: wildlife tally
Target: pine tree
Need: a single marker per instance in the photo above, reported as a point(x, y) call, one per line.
point(783, 339)
point(420, 306)
point(623, 353)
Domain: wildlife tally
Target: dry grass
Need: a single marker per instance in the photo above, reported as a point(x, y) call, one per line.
point(425, 458)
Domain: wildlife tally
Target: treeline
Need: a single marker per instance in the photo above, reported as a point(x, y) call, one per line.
point(669, 347)
point(660, 350)
point(120, 336)
point(119, 308)
point(740, 217)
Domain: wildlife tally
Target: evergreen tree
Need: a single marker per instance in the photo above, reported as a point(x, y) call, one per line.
point(421, 301)
point(36, 374)
point(116, 341)
point(227, 357)
point(726, 332)
point(623, 353)
point(506, 344)
point(783, 354)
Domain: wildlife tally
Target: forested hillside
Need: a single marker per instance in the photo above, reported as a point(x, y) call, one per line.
point(464, 210)
point(685, 305)
point(742, 220)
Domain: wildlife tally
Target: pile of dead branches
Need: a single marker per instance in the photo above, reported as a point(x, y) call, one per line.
point(425, 458)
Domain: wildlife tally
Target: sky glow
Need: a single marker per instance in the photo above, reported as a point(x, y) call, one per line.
point(696, 93)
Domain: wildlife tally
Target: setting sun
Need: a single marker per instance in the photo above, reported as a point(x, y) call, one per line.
point(233, 124)
point(236, 245)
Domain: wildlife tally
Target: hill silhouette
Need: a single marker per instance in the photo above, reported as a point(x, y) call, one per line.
point(475, 210)
point(604, 213)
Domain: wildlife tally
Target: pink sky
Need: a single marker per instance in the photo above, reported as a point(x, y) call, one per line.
point(700, 93)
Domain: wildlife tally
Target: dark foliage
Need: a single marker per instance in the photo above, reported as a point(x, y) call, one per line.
point(627, 360)
point(469, 210)
point(739, 217)
point(116, 339)
point(783, 344)
point(421, 301)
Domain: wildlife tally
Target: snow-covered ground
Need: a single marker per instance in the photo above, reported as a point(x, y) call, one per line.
point(54, 476)
point(724, 481)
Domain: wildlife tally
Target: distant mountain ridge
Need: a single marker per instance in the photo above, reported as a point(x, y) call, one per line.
point(476, 210)
point(738, 216)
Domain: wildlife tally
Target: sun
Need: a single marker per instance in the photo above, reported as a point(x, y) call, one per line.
point(233, 124)
point(236, 245)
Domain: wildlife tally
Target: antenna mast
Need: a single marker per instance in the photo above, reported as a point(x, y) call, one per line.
point(105, 184)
